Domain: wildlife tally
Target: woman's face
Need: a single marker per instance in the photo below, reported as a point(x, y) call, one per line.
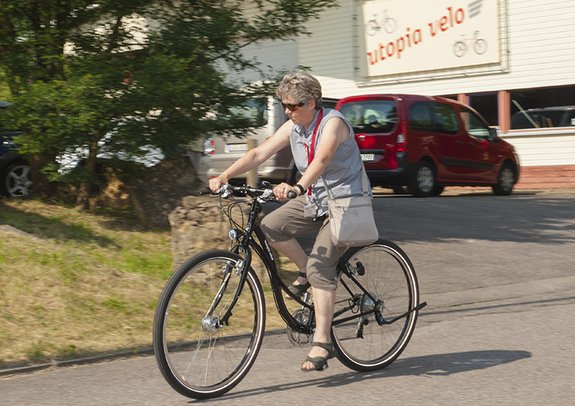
point(300, 111)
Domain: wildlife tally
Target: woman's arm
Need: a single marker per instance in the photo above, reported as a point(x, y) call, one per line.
point(254, 157)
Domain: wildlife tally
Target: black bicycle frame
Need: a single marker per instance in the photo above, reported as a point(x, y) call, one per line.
point(260, 245)
point(263, 250)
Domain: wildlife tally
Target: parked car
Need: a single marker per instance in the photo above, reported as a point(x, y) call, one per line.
point(427, 143)
point(266, 116)
point(14, 170)
point(558, 116)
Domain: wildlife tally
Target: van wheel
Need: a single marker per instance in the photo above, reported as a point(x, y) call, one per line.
point(422, 182)
point(505, 181)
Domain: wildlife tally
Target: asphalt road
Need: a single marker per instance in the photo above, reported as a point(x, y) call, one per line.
point(498, 274)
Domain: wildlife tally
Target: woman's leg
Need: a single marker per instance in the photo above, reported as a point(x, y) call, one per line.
point(324, 305)
point(293, 250)
point(322, 274)
point(282, 225)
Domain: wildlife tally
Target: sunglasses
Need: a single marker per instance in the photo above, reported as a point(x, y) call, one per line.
point(294, 106)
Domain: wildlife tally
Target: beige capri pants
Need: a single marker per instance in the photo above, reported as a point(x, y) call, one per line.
point(287, 222)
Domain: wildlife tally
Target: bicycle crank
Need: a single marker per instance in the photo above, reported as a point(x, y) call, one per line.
point(296, 338)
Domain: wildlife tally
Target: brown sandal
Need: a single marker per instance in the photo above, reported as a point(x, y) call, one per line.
point(320, 363)
point(298, 290)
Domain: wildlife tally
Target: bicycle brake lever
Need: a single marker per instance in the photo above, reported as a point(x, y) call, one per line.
point(224, 191)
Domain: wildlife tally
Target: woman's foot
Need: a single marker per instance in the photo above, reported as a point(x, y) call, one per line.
point(317, 357)
point(299, 287)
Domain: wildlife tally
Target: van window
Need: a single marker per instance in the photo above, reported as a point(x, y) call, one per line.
point(445, 118)
point(420, 117)
point(474, 125)
point(328, 102)
point(371, 116)
point(253, 113)
point(434, 117)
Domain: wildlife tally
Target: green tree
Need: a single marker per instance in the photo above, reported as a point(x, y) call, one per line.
point(116, 76)
point(4, 90)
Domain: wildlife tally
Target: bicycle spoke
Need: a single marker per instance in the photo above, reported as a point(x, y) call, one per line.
point(373, 332)
point(198, 355)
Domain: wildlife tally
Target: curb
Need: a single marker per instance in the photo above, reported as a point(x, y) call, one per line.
point(24, 369)
point(76, 361)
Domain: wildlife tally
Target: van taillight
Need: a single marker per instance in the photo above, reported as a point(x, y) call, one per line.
point(209, 146)
point(400, 143)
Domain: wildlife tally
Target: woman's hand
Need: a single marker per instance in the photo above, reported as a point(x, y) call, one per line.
point(281, 191)
point(217, 182)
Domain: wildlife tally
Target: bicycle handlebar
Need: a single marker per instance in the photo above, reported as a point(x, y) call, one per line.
point(265, 194)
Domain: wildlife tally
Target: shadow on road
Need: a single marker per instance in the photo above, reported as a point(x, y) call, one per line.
point(548, 219)
point(428, 365)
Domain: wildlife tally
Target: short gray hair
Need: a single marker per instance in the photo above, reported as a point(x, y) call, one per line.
point(300, 86)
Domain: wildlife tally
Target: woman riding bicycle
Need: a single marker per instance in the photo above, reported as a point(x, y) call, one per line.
point(334, 159)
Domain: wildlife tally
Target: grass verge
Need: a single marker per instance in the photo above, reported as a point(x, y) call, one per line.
point(75, 284)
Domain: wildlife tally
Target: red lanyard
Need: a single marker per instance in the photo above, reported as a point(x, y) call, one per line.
point(311, 152)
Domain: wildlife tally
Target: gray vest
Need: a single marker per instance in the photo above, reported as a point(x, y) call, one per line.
point(343, 175)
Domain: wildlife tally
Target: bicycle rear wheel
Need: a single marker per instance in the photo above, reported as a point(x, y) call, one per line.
point(385, 290)
point(197, 356)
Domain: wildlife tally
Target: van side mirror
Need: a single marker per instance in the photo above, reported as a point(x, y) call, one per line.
point(493, 133)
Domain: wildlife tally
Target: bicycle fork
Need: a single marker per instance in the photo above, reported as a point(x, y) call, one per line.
point(211, 322)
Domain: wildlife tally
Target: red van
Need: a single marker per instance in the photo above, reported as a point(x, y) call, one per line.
point(427, 143)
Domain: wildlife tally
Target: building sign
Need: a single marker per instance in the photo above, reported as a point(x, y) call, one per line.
point(410, 38)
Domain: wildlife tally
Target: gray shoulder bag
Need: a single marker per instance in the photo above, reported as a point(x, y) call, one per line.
point(351, 218)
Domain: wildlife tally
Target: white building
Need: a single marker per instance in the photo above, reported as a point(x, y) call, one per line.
point(499, 56)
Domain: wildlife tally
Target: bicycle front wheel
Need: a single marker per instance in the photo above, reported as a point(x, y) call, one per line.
point(197, 355)
point(376, 308)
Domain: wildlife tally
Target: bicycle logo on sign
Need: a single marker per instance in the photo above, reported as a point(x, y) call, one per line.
point(374, 25)
point(479, 45)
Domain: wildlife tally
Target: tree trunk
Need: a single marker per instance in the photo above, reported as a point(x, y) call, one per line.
point(41, 185)
point(86, 188)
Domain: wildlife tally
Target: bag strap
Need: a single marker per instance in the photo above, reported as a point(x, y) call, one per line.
point(311, 153)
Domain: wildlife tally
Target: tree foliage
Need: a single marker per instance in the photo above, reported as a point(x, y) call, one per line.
point(115, 76)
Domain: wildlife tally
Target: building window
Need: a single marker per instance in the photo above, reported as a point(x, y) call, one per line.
point(486, 105)
point(543, 108)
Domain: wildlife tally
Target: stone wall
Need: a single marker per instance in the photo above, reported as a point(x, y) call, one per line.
point(197, 224)
point(159, 190)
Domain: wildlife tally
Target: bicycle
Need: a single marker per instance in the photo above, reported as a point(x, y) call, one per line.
point(373, 26)
point(479, 45)
point(210, 318)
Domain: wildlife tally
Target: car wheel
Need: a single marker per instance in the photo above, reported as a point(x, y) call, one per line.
point(505, 181)
point(16, 180)
point(422, 181)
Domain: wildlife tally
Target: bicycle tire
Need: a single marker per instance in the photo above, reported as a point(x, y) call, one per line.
point(459, 49)
point(198, 359)
point(390, 279)
point(480, 46)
